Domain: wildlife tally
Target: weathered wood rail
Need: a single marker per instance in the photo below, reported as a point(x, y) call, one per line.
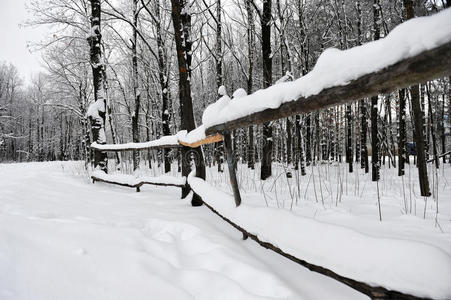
point(136, 185)
point(427, 65)
point(374, 292)
point(420, 68)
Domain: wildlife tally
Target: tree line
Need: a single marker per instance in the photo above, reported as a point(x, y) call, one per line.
point(156, 65)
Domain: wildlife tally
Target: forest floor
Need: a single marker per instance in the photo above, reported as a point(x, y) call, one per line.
point(62, 237)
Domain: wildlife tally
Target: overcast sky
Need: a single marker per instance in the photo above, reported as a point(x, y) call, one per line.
point(14, 38)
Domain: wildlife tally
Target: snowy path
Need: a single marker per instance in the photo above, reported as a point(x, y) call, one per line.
point(62, 238)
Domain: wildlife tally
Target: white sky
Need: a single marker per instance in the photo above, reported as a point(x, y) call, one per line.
point(14, 38)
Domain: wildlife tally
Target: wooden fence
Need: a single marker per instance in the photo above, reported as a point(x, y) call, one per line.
point(427, 65)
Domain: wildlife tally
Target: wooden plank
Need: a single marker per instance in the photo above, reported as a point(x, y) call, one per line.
point(137, 185)
point(94, 179)
point(208, 140)
point(160, 184)
point(425, 66)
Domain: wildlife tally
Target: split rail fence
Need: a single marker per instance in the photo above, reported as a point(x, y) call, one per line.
point(427, 65)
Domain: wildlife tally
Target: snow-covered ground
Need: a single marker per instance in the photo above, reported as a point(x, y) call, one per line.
point(62, 237)
point(331, 219)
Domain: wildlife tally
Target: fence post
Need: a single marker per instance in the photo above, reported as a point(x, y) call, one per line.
point(231, 166)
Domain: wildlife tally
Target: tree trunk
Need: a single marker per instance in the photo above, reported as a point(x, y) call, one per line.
point(250, 49)
point(266, 162)
point(419, 142)
point(110, 110)
point(308, 139)
point(418, 123)
point(97, 122)
point(375, 144)
point(136, 92)
point(163, 78)
point(219, 76)
point(432, 128)
point(349, 154)
point(181, 20)
point(402, 132)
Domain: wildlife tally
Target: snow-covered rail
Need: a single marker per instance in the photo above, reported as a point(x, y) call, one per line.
point(381, 268)
point(194, 139)
point(137, 182)
point(427, 65)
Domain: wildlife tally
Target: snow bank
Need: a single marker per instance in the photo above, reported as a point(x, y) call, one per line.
point(336, 67)
point(132, 180)
point(62, 238)
point(406, 266)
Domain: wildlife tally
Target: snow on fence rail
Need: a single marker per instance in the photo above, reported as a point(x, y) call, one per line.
point(193, 139)
point(137, 182)
point(414, 52)
point(381, 268)
point(170, 141)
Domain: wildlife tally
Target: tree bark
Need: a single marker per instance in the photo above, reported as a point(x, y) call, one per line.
point(163, 78)
point(418, 121)
point(402, 132)
point(266, 162)
point(375, 143)
point(219, 76)
point(97, 123)
point(181, 20)
point(250, 51)
point(136, 91)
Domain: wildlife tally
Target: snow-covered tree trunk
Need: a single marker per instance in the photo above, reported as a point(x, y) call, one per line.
point(136, 91)
point(266, 162)
point(96, 111)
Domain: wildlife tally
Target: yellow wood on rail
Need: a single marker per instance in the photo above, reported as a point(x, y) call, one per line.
point(208, 140)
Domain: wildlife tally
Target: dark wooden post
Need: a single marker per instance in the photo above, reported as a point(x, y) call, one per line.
point(232, 168)
point(232, 165)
